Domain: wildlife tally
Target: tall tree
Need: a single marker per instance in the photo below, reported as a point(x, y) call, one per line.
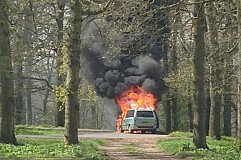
point(73, 70)
point(27, 38)
point(19, 92)
point(200, 104)
point(73, 79)
point(228, 71)
point(60, 78)
point(6, 87)
point(215, 69)
point(239, 68)
point(167, 100)
point(174, 62)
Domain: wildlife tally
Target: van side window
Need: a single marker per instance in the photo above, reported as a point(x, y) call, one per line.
point(130, 113)
point(145, 114)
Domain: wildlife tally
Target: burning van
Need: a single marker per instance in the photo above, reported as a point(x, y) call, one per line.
point(140, 119)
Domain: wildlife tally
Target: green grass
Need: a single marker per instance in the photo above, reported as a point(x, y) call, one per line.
point(183, 146)
point(36, 130)
point(130, 148)
point(181, 134)
point(49, 148)
point(52, 149)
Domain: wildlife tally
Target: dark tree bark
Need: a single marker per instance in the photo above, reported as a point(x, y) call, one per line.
point(228, 72)
point(167, 99)
point(168, 117)
point(29, 118)
point(6, 87)
point(174, 62)
point(190, 116)
point(94, 116)
point(19, 94)
point(199, 127)
point(239, 78)
point(60, 77)
point(73, 75)
point(227, 116)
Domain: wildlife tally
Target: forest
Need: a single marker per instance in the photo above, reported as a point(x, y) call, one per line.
point(66, 63)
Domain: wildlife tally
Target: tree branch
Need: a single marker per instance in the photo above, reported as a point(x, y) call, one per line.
point(91, 12)
point(38, 79)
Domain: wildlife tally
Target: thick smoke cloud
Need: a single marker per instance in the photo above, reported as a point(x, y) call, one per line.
point(111, 78)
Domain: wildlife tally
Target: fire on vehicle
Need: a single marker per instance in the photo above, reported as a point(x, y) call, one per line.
point(137, 111)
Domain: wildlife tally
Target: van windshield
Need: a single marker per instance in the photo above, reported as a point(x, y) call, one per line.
point(130, 113)
point(145, 114)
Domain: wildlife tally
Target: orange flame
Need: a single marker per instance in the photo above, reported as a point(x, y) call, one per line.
point(135, 97)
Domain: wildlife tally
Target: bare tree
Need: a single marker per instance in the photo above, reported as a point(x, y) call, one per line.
point(215, 69)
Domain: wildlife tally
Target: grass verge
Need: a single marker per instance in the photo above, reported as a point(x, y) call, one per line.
point(36, 130)
point(52, 149)
point(183, 146)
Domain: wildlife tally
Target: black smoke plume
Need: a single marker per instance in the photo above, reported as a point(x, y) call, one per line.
point(111, 78)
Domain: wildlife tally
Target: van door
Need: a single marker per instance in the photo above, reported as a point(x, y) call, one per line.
point(145, 119)
point(128, 120)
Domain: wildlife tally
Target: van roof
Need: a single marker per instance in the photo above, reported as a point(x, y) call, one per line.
point(142, 109)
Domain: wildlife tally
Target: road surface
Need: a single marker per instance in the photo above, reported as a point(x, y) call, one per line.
point(98, 134)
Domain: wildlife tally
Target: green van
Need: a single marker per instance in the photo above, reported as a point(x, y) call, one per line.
point(140, 119)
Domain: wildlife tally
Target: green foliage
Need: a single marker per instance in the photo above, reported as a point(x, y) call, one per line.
point(182, 77)
point(64, 50)
point(33, 130)
point(181, 134)
point(52, 148)
point(60, 93)
point(87, 93)
point(224, 149)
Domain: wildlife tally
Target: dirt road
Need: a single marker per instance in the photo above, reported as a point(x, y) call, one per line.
point(137, 147)
point(123, 146)
point(98, 134)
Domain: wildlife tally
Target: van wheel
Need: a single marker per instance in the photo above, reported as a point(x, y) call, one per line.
point(121, 130)
point(153, 131)
point(129, 129)
point(143, 131)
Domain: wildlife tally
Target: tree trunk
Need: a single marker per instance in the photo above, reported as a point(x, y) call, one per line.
point(60, 78)
point(199, 128)
point(29, 118)
point(73, 75)
point(174, 62)
point(47, 91)
point(167, 99)
point(19, 93)
point(190, 116)
point(228, 72)
point(45, 101)
point(27, 39)
point(168, 117)
point(174, 112)
point(239, 68)
point(227, 115)
point(7, 90)
point(215, 69)
point(93, 116)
